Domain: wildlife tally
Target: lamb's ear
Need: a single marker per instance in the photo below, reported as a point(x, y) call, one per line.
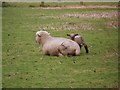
point(39, 35)
point(75, 35)
point(68, 34)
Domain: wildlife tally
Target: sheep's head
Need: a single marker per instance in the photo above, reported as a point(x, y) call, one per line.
point(72, 36)
point(40, 35)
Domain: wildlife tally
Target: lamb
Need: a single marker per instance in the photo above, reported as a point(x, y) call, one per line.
point(57, 46)
point(80, 40)
point(65, 50)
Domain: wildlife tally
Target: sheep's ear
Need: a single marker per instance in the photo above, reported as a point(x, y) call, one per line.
point(68, 34)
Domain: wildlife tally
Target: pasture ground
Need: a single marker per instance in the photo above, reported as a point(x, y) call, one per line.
point(25, 66)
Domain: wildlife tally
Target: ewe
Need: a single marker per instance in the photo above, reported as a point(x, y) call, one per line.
point(57, 46)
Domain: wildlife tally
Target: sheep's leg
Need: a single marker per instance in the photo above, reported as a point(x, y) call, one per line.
point(86, 48)
point(46, 52)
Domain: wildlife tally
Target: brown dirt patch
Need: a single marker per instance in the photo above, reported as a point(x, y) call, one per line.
point(93, 15)
point(80, 7)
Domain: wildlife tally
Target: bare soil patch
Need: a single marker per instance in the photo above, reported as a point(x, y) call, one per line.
point(93, 15)
point(79, 7)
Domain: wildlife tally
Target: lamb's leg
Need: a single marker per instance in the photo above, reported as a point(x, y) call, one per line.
point(60, 52)
point(80, 46)
point(59, 55)
point(86, 48)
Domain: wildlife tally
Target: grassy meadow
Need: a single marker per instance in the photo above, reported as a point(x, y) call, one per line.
point(25, 66)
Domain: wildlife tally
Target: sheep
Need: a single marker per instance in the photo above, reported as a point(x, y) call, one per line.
point(57, 46)
point(80, 40)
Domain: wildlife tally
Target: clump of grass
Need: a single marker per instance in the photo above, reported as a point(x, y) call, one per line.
point(43, 4)
point(31, 6)
point(6, 4)
point(82, 3)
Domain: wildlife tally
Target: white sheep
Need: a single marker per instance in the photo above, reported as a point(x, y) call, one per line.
point(80, 40)
point(57, 46)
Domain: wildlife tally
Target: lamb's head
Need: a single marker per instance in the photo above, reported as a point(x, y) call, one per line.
point(72, 36)
point(40, 35)
point(63, 46)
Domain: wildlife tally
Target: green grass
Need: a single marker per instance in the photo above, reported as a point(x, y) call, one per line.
point(25, 66)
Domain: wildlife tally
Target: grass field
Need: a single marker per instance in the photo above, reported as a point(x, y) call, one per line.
point(25, 66)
